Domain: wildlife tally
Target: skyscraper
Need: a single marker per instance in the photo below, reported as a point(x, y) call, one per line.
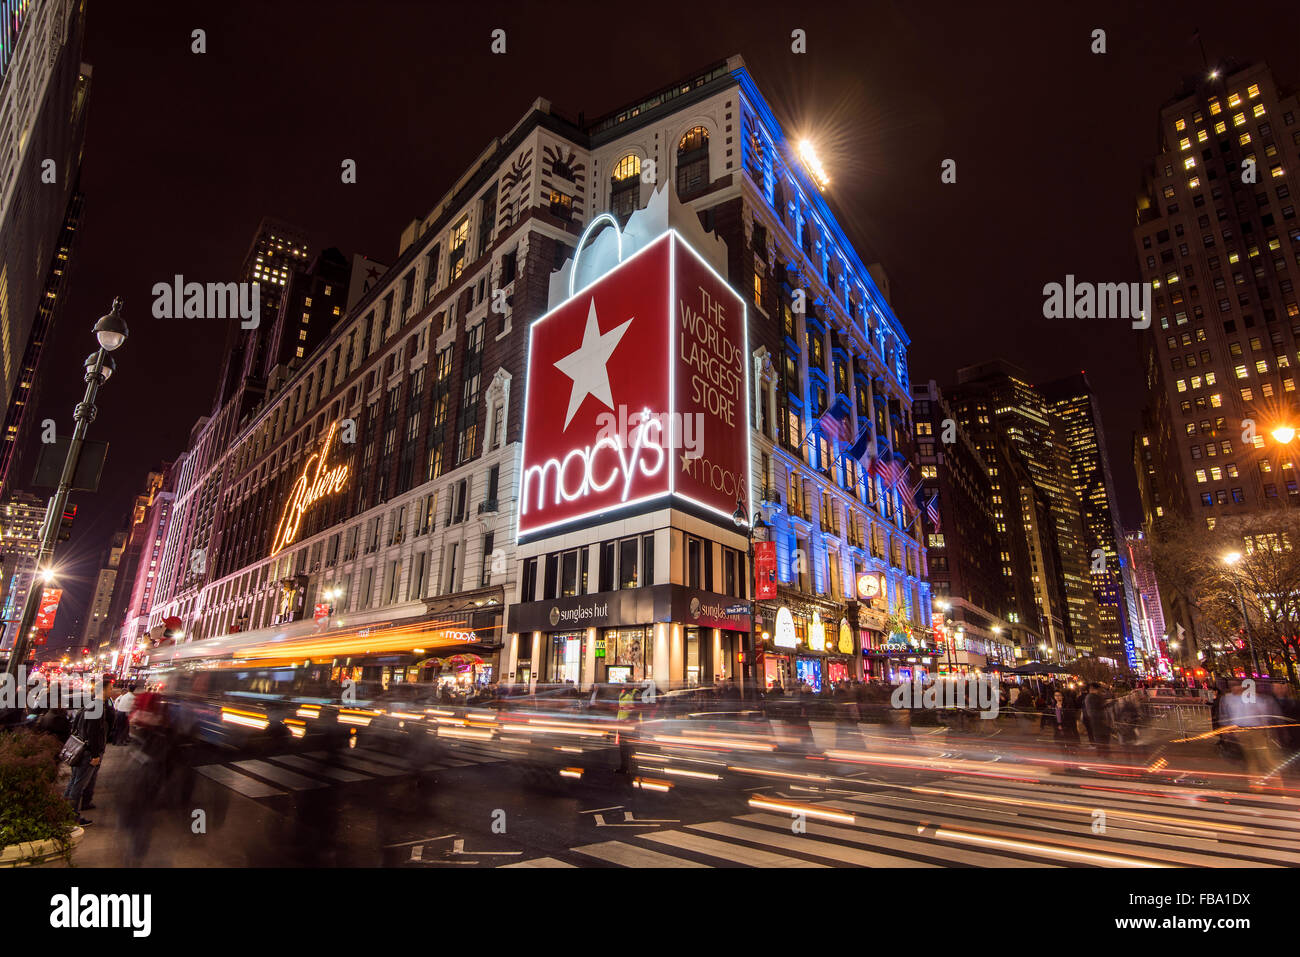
point(97, 631)
point(43, 91)
point(1149, 623)
point(1218, 239)
point(278, 252)
point(1073, 402)
point(1012, 424)
point(21, 518)
point(963, 544)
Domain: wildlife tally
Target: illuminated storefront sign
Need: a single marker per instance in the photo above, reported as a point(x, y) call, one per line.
point(846, 638)
point(309, 489)
point(817, 633)
point(657, 344)
point(784, 636)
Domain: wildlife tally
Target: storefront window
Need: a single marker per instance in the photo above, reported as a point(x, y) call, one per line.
point(809, 670)
point(566, 658)
point(628, 648)
point(692, 657)
point(837, 671)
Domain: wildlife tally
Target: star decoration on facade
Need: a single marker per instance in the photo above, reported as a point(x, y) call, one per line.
point(587, 366)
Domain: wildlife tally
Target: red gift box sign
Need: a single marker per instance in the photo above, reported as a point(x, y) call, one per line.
point(636, 391)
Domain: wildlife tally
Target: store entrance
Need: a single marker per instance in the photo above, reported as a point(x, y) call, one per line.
point(566, 659)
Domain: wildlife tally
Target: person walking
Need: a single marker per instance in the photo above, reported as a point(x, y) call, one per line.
point(626, 714)
point(1097, 717)
point(1062, 716)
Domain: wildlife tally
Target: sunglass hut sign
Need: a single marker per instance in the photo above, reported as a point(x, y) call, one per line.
point(637, 391)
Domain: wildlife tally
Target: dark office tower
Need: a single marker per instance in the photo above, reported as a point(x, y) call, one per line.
point(43, 91)
point(997, 404)
point(1073, 402)
point(277, 252)
point(962, 541)
point(312, 303)
point(1218, 238)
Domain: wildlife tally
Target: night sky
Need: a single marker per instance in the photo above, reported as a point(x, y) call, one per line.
point(185, 153)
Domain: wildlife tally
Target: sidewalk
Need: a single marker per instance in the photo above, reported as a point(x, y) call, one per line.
point(172, 843)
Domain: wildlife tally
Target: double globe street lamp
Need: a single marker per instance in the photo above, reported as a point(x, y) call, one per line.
point(110, 331)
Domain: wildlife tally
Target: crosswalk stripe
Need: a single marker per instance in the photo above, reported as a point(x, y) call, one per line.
point(1229, 823)
point(316, 767)
point(1019, 829)
point(626, 855)
point(867, 830)
point(371, 767)
point(540, 862)
point(289, 779)
point(1205, 835)
point(727, 852)
point(803, 844)
point(383, 757)
point(249, 787)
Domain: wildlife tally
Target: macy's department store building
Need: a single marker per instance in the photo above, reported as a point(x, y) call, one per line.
point(632, 565)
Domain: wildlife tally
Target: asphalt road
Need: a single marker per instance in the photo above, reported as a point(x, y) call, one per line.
point(861, 801)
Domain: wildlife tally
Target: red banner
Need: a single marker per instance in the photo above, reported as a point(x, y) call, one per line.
point(765, 570)
point(49, 608)
point(322, 612)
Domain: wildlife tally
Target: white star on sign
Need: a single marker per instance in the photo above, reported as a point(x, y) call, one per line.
point(586, 367)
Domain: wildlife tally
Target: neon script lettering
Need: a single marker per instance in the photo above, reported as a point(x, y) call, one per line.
point(308, 490)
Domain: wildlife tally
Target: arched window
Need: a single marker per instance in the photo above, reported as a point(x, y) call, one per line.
point(625, 187)
point(628, 166)
point(693, 162)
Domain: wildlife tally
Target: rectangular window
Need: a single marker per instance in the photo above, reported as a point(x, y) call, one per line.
point(648, 560)
point(569, 574)
point(485, 574)
point(606, 566)
point(528, 587)
point(627, 567)
point(551, 581)
point(453, 554)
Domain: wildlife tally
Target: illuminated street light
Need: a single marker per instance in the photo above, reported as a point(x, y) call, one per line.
point(110, 332)
point(1232, 558)
point(47, 575)
point(1284, 434)
point(808, 153)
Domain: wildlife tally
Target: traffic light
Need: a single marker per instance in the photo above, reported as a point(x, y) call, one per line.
point(65, 523)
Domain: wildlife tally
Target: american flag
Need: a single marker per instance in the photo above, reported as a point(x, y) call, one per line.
point(911, 494)
point(932, 511)
point(834, 422)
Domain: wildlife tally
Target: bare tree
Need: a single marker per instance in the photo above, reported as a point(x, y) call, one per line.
point(1243, 573)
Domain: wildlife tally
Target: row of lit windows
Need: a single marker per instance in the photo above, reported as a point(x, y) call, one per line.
point(1216, 473)
point(1234, 101)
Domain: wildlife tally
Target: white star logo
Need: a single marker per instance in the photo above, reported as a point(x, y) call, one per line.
point(586, 366)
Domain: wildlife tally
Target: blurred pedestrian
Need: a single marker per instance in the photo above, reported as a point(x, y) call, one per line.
point(91, 730)
point(1097, 717)
point(1062, 716)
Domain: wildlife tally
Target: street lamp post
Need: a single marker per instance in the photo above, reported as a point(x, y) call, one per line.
point(1231, 560)
point(759, 527)
point(111, 332)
